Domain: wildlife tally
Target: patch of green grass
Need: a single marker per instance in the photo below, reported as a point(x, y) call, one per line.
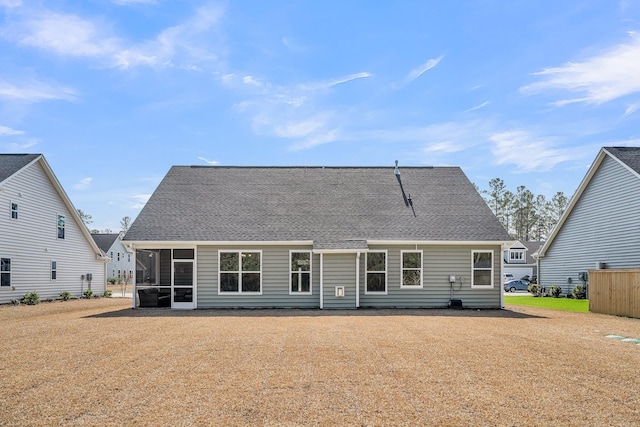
point(566, 304)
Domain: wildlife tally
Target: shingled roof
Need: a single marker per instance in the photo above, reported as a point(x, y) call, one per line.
point(335, 207)
point(12, 163)
point(104, 240)
point(628, 155)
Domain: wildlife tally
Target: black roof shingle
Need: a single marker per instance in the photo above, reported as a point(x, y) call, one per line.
point(328, 205)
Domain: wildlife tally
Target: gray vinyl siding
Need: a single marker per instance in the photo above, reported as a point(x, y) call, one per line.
point(339, 270)
point(439, 262)
point(275, 280)
point(31, 241)
point(603, 226)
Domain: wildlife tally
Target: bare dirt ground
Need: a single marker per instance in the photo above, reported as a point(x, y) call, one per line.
point(98, 362)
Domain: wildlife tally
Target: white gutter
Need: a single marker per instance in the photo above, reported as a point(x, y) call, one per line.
point(321, 281)
point(358, 279)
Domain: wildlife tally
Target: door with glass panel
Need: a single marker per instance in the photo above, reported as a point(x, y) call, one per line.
point(182, 280)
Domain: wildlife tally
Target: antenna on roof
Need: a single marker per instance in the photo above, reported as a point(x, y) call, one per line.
point(397, 171)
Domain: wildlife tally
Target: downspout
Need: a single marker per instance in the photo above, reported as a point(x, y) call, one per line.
point(135, 281)
point(358, 279)
point(503, 248)
point(321, 281)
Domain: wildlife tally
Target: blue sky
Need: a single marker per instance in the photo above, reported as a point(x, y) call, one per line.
point(115, 92)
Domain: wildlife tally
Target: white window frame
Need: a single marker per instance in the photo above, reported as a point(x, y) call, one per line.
point(14, 212)
point(310, 272)
point(239, 271)
point(513, 253)
point(7, 272)
point(473, 269)
point(402, 269)
point(386, 272)
point(64, 227)
point(54, 269)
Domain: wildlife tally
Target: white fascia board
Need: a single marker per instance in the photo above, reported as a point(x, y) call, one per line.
point(440, 242)
point(574, 199)
point(170, 244)
point(339, 251)
point(67, 202)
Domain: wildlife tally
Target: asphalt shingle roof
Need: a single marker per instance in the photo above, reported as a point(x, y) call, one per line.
point(336, 207)
point(628, 155)
point(104, 240)
point(12, 163)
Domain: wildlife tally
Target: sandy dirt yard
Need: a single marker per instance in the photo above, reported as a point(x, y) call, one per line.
point(101, 363)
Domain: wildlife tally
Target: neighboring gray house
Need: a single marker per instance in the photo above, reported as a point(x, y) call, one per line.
point(45, 246)
point(519, 261)
point(317, 237)
point(120, 265)
point(601, 226)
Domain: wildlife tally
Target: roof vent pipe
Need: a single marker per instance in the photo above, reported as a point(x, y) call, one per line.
point(397, 171)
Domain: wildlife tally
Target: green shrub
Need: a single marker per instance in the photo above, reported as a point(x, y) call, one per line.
point(87, 294)
point(534, 289)
point(112, 280)
point(580, 292)
point(555, 291)
point(32, 298)
point(65, 295)
point(107, 293)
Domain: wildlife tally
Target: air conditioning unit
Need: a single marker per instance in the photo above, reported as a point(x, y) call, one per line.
point(600, 265)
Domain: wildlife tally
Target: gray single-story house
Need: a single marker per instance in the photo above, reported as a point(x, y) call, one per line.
point(601, 225)
point(317, 237)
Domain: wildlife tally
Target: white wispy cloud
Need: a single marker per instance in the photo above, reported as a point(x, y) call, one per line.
point(6, 131)
point(417, 72)
point(10, 3)
point(334, 82)
point(32, 91)
point(527, 151)
point(21, 147)
point(83, 184)
point(602, 78)
point(182, 45)
point(209, 162)
point(477, 107)
point(631, 109)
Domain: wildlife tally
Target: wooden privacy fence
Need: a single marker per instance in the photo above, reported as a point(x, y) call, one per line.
point(615, 292)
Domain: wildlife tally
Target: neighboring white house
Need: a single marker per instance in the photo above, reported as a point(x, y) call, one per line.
point(518, 260)
point(45, 247)
point(601, 226)
point(121, 261)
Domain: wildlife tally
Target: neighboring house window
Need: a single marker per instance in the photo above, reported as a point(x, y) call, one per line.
point(516, 255)
point(240, 272)
point(300, 274)
point(5, 271)
point(118, 256)
point(482, 269)
point(376, 274)
point(411, 269)
point(119, 277)
point(130, 274)
point(128, 257)
point(60, 226)
point(54, 270)
point(14, 210)
point(111, 255)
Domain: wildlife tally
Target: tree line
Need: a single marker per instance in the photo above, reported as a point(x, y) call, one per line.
point(525, 216)
point(87, 219)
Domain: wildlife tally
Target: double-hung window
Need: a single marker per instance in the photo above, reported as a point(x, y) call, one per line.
point(240, 272)
point(300, 274)
point(376, 275)
point(411, 269)
point(60, 226)
point(14, 211)
point(54, 270)
point(5, 271)
point(482, 269)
